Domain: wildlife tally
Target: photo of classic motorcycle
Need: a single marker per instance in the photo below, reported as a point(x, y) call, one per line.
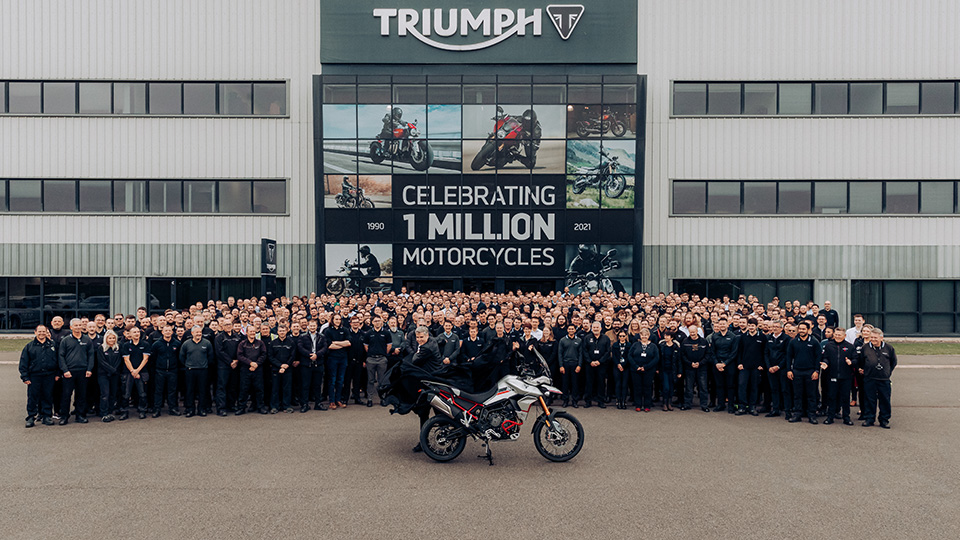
point(603, 176)
point(352, 196)
point(404, 146)
point(606, 122)
point(514, 138)
point(349, 284)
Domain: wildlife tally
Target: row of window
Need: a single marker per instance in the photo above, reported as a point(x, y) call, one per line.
point(909, 307)
point(26, 302)
point(764, 290)
point(814, 197)
point(180, 293)
point(817, 98)
point(145, 196)
point(202, 98)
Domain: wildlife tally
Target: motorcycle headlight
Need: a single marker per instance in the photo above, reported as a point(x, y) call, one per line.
point(414, 132)
point(501, 134)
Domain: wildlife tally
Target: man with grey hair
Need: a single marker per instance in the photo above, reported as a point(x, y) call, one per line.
point(876, 363)
point(427, 357)
point(196, 355)
point(76, 357)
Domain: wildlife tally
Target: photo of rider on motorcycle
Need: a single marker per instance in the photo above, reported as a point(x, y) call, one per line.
point(359, 276)
point(351, 196)
point(400, 141)
point(589, 271)
point(514, 138)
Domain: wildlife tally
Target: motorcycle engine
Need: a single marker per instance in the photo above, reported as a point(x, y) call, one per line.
point(504, 422)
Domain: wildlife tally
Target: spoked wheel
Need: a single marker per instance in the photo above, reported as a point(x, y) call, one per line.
point(560, 442)
point(618, 129)
point(441, 439)
point(335, 286)
point(614, 186)
point(366, 203)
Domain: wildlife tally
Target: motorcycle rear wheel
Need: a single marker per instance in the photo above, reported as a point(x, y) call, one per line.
point(483, 156)
point(582, 131)
point(614, 186)
point(618, 129)
point(435, 443)
point(555, 446)
point(579, 185)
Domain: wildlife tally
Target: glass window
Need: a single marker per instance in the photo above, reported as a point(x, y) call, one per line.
point(689, 197)
point(866, 297)
point(25, 196)
point(129, 98)
point(270, 197)
point(3, 197)
point(165, 98)
point(718, 288)
point(615, 93)
point(937, 297)
point(900, 296)
point(129, 196)
point(866, 98)
point(235, 198)
point(584, 93)
point(937, 97)
point(760, 99)
point(236, 99)
point(165, 196)
point(373, 93)
point(936, 197)
point(479, 94)
point(763, 290)
point(723, 98)
point(198, 196)
point(759, 197)
point(94, 295)
point(795, 290)
point(902, 198)
point(723, 198)
point(24, 97)
point(689, 98)
point(59, 294)
point(409, 93)
point(3, 102)
point(866, 197)
point(96, 196)
point(338, 93)
point(95, 98)
point(514, 93)
point(900, 323)
point(59, 98)
point(59, 196)
point(903, 98)
point(270, 99)
point(3, 294)
point(830, 198)
point(443, 94)
point(795, 98)
point(199, 98)
point(831, 98)
point(794, 198)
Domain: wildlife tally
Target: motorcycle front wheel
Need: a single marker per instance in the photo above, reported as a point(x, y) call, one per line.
point(422, 156)
point(440, 439)
point(483, 156)
point(618, 129)
point(582, 131)
point(563, 441)
point(376, 152)
point(335, 286)
point(614, 186)
point(366, 203)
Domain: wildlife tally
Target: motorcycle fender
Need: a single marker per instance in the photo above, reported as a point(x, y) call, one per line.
point(552, 389)
point(543, 418)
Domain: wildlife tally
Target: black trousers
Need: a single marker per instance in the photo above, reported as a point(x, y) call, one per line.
point(353, 381)
point(642, 387)
point(698, 378)
point(667, 380)
point(804, 390)
point(571, 383)
point(251, 385)
point(878, 393)
point(726, 384)
point(165, 386)
point(778, 390)
point(621, 383)
point(196, 382)
point(129, 383)
point(837, 396)
point(280, 388)
point(75, 385)
point(109, 392)
point(594, 389)
point(227, 379)
point(311, 383)
point(40, 395)
point(748, 385)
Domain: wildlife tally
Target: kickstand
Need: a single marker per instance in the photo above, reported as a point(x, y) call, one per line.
point(488, 456)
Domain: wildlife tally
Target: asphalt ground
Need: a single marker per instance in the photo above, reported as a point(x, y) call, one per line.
point(350, 474)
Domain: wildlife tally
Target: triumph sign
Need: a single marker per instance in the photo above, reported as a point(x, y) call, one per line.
point(394, 31)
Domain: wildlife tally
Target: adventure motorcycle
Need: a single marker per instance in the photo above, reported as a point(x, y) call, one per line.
point(594, 282)
point(349, 285)
point(353, 198)
point(404, 146)
point(604, 123)
point(605, 176)
point(497, 414)
point(505, 144)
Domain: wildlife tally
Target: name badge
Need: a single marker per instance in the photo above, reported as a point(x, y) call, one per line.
point(643, 355)
point(596, 351)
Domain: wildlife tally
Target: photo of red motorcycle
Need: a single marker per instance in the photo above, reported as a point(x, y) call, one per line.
point(405, 146)
point(514, 138)
point(607, 121)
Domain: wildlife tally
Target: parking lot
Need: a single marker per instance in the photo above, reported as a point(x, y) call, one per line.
point(350, 473)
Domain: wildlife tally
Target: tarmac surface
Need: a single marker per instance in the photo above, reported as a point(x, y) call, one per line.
point(350, 474)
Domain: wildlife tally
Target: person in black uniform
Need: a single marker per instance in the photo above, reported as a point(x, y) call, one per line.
point(595, 353)
point(136, 355)
point(472, 345)
point(876, 362)
point(775, 362)
point(38, 370)
point(196, 355)
point(644, 359)
point(281, 352)
point(724, 346)
point(110, 370)
point(378, 344)
point(569, 355)
point(619, 356)
point(548, 348)
point(803, 357)
point(669, 367)
point(694, 357)
point(166, 358)
point(838, 362)
point(449, 344)
point(225, 348)
point(312, 348)
point(426, 357)
point(354, 376)
point(752, 346)
point(251, 355)
point(76, 357)
point(338, 351)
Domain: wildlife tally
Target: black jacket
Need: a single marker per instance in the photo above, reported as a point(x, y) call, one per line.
point(471, 349)
point(724, 348)
point(669, 357)
point(38, 359)
point(803, 355)
point(693, 351)
point(595, 349)
point(110, 362)
point(647, 357)
point(752, 349)
point(775, 353)
point(428, 356)
point(280, 352)
point(76, 354)
point(877, 364)
point(620, 353)
point(835, 356)
point(305, 347)
point(165, 355)
point(225, 346)
point(449, 348)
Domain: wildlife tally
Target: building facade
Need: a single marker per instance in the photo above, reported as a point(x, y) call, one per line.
point(798, 149)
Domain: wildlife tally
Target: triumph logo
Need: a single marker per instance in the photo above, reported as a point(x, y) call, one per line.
point(496, 24)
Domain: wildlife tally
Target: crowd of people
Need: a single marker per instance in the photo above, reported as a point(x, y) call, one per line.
point(268, 356)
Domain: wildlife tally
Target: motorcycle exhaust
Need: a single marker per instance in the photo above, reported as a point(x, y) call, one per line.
point(441, 405)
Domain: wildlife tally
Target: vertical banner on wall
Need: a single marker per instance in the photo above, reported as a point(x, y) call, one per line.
point(268, 268)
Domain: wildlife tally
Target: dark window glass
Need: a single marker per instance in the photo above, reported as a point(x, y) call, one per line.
point(96, 196)
point(3, 105)
point(866, 98)
point(129, 98)
point(443, 94)
point(409, 93)
point(763, 290)
point(723, 98)
point(900, 323)
point(60, 294)
point(479, 94)
point(165, 196)
point(95, 98)
point(198, 196)
point(900, 296)
point(866, 297)
point(24, 97)
point(159, 294)
point(24, 303)
point(94, 295)
point(690, 286)
point(937, 97)
point(794, 198)
point(937, 297)
point(723, 198)
point(373, 93)
point(25, 196)
point(902, 198)
point(3, 198)
point(795, 98)
point(235, 198)
point(795, 290)
point(831, 98)
point(866, 197)
point(689, 197)
point(514, 93)
point(903, 98)
point(59, 98)
point(129, 196)
point(338, 93)
point(236, 99)
point(936, 324)
point(584, 93)
point(760, 99)
point(270, 197)
point(199, 98)
point(616, 93)
point(689, 98)
point(3, 297)
point(759, 197)
point(936, 198)
point(59, 196)
point(718, 288)
point(165, 98)
point(270, 99)
point(830, 198)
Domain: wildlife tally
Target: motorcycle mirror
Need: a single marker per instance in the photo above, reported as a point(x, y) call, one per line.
point(612, 253)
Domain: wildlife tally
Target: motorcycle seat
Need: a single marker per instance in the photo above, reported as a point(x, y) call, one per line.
point(481, 397)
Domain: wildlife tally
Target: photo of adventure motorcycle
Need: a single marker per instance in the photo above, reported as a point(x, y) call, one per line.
point(589, 271)
point(403, 145)
point(606, 122)
point(353, 282)
point(603, 176)
point(352, 196)
point(514, 138)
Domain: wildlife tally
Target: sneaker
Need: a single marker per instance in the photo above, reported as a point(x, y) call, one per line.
point(46, 421)
point(107, 419)
point(203, 412)
point(288, 410)
point(274, 411)
point(30, 422)
point(143, 415)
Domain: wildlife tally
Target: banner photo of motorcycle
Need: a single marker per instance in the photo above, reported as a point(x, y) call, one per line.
point(594, 268)
point(513, 138)
point(606, 121)
point(359, 269)
point(357, 191)
point(600, 174)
